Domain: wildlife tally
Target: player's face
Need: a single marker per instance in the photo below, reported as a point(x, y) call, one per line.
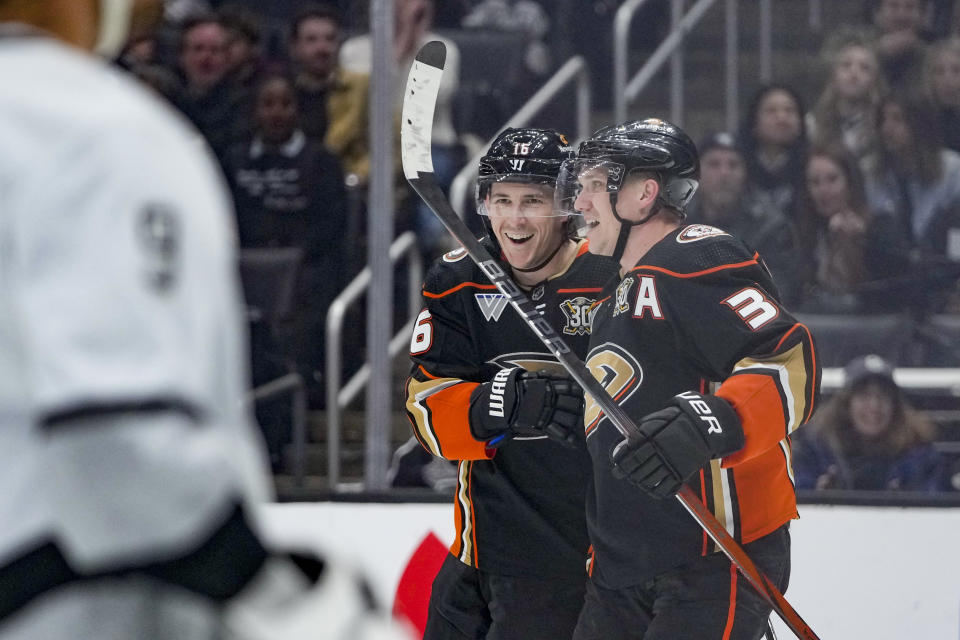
point(204, 55)
point(523, 222)
point(722, 176)
point(945, 73)
point(871, 410)
point(827, 185)
point(778, 120)
point(317, 45)
point(593, 201)
point(855, 73)
point(276, 111)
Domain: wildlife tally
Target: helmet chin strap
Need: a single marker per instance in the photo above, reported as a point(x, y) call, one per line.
point(563, 241)
point(626, 226)
point(114, 26)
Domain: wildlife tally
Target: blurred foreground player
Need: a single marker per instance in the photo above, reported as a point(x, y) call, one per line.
point(129, 467)
point(479, 393)
point(693, 312)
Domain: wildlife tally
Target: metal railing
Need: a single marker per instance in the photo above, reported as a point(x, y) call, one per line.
point(340, 395)
point(626, 92)
point(292, 384)
point(574, 69)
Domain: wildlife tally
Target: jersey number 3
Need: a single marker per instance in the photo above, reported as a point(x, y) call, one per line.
point(752, 307)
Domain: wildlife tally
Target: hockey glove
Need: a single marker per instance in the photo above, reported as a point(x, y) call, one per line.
point(676, 442)
point(518, 402)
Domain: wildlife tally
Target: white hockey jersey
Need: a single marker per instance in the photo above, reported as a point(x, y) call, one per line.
point(122, 353)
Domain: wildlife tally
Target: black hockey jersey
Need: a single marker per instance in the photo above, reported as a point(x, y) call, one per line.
point(698, 310)
point(519, 509)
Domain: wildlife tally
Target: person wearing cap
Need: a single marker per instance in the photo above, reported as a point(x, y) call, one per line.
point(722, 201)
point(868, 437)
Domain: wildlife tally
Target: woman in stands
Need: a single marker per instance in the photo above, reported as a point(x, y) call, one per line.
point(868, 437)
point(774, 140)
point(847, 109)
point(913, 178)
point(841, 245)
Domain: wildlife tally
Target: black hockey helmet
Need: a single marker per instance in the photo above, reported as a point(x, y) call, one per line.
point(652, 145)
point(522, 155)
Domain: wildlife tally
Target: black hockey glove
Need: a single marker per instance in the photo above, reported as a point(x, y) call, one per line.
point(676, 442)
point(518, 402)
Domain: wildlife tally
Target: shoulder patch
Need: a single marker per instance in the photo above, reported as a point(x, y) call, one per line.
point(455, 255)
point(694, 232)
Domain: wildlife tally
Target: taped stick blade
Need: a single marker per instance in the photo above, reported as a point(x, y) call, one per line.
point(419, 101)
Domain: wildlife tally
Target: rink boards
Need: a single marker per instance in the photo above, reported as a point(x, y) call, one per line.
point(858, 572)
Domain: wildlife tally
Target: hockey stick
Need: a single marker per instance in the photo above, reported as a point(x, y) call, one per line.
point(420, 96)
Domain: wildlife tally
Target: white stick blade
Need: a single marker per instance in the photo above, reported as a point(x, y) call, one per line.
point(419, 100)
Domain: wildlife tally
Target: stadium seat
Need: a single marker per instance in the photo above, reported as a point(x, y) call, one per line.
point(840, 338)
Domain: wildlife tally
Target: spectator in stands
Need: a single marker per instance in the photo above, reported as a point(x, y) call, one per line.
point(334, 102)
point(913, 178)
point(721, 201)
point(834, 230)
point(847, 108)
point(413, 27)
point(243, 45)
point(209, 100)
point(900, 41)
point(774, 141)
point(526, 16)
point(943, 84)
point(289, 192)
point(868, 437)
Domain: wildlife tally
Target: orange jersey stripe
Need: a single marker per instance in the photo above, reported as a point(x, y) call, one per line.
point(765, 494)
point(584, 290)
point(756, 399)
point(450, 419)
point(475, 285)
point(695, 274)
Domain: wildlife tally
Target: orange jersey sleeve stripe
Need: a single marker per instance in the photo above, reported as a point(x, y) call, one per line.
point(757, 400)
point(439, 411)
point(450, 411)
point(696, 274)
point(462, 285)
point(771, 396)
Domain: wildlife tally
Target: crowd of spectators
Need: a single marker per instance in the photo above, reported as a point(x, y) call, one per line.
point(850, 192)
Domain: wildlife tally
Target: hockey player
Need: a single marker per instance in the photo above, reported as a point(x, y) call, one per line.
point(478, 394)
point(129, 467)
point(693, 343)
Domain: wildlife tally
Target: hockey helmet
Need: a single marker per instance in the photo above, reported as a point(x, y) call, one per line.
point(524, 156)
point(651, 145)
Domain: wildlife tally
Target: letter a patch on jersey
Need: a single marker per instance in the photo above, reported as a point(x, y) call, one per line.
point(647, 299)
point(491, 305)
